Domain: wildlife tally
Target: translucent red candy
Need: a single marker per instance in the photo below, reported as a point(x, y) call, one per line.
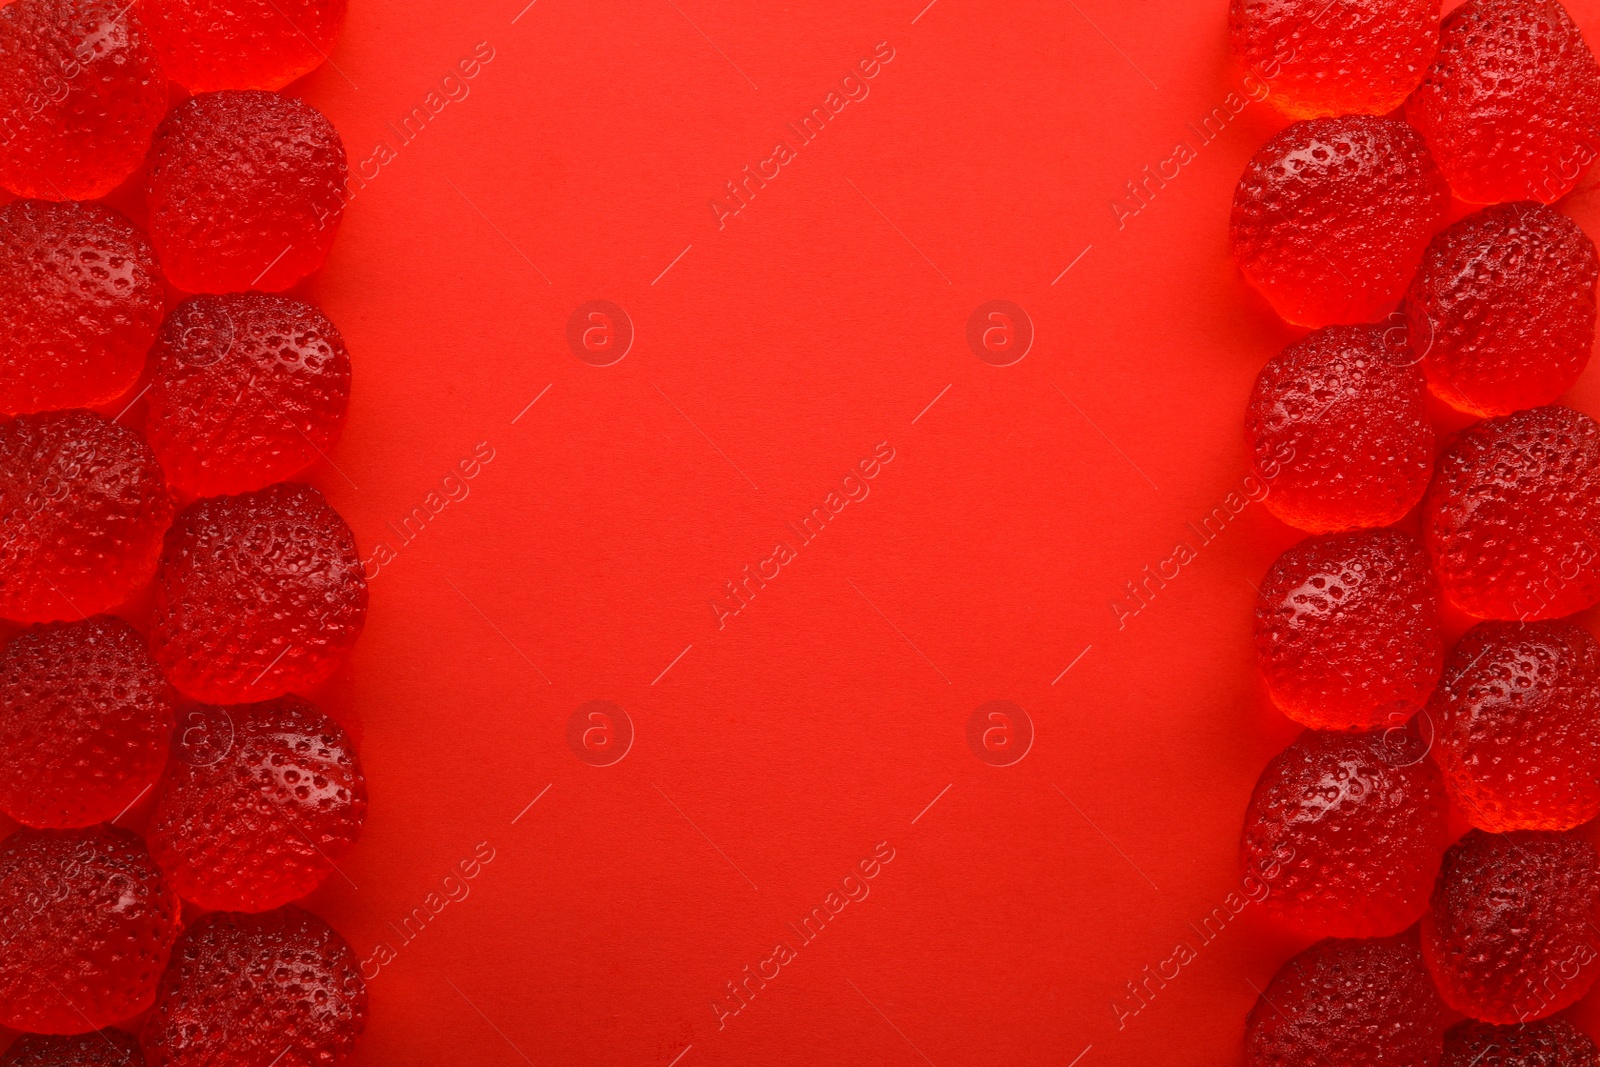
point(1509, 937)
point(1517, 715)
point(1318, 59)
point(1332, 215)
point(1347, 630)
point(88, 923)
point(244, 990)
point(1545, 1043)
point(83, 508)
point(1339, 422)
point(1512, 520)
point(257, 595)
point(248, 389)
point(80, 92)
point(1348, 1003)
point(80, 300)
point(245, 191)
point(104, 1048)
point(241, 44)
point(1511, 105)
point(1502, 309)
point(85, 722)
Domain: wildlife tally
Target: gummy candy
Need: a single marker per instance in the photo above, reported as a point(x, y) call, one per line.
point(241, 44)
point(103, 1048)
point(1545, 1043)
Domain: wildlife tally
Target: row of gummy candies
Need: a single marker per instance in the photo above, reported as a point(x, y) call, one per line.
point(257, 595)
point(1336, 219)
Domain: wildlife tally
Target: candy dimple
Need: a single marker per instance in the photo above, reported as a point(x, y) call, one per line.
point(104, 1048)
point(241, 44)
point(1544, 1043)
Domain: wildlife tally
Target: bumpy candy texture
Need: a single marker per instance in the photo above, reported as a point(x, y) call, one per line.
point(241, 44)
point(1347, 630)
point(1512, 519)
point(81, 90)
point(83, 507)
point(1545, 1043)
point(257, 595)
point(1348, 1003)
point(1517, 713)
point(80, 301)
point(1509, 937)
point(1502, 309)
point(257, 818)
point(104, 1048)
point(1332, 215)
point(1511, 105)
point(245, 191)
point(248, 389)
point(1340, 422)
point(1319, 59)
point(88, 923)
point(85, 719)
point(280, 989)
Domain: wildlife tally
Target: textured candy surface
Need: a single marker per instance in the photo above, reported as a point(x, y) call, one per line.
point(1347, 630)
point(88, 923)
point(1320, 59)
point(1503, 308)
point(80, 300)
point(1341, 419)
point(257, 595)
point(85, 721)
point(241, 44)
point(1512, 519)
point(1340, 1002)
point(1544, 1043)
point(1509, 936)
point(245, 190)
point(1511, 105)
point(256, 990)
point(248, 389)
point(83, 507)
point(1332, 215)
point(106, 1048)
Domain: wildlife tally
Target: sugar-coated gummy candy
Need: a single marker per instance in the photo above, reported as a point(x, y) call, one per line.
point(1543, 1043)
point(1337, 425)
point(257, 595)
point(247, 389)
point(80, 301)
point(1512, 519)
point(1332, 215)
point(1509, 936)
point(241, 44)
point(83, 507)
point(104, 1048)
point(1341, 1001)
point(1517, 719)
point(213, 1009)
point(245, 191)
point(1318, 59)
point(88, 924)
point(1347, 630)
point(1502, 309)
point(85, 722)
point(1511, 104)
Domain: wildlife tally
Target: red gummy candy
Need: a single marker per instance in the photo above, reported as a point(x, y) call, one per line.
point(1332, 215)
point(1347, 630)
point(87, 925)
point(263, 821)
point(1319, 59)
point(1503, 308)
point(257, 595)
point(104, 1048)
point(1545, 1043)
point(80, 301)
point(241, 44)
point(85, 722)
point(83, 507)
point(248, 389)
point(245, 191)
point(1348, 1003)
point(1509, 937)
point(1339, 422)
point(280, 988)
point(81, 91)
point(1511, 105)
point(1512, 520)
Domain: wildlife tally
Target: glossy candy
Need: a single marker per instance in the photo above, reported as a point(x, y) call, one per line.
point(1545, 1043)
point(104, 1048)
point(241, 44)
